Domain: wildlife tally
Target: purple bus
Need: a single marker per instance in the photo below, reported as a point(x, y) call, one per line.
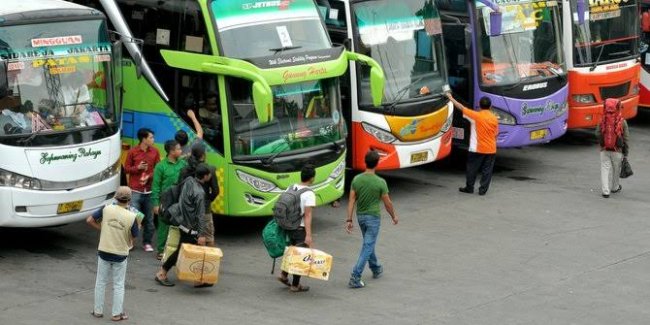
point(519, 66)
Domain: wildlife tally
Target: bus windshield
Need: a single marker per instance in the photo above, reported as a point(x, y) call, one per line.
point(260, 29)
point(58, 81)
point(305, 115)
point(528, 48)
point(405, 37)
point(610, 33)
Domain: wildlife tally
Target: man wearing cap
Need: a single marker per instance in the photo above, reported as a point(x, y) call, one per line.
point(189, 210)
point(118, 226)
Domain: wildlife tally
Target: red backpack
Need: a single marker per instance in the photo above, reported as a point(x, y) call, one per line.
point(611, 126)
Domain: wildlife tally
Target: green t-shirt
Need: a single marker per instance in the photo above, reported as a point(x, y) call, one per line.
point(369, 189)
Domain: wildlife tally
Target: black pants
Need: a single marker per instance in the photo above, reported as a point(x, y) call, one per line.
point(171, 260)
point(296, 238)
point(479, 162)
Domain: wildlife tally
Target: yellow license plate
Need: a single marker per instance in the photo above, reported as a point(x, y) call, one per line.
point(69, 207)
point(539, 134)
point(419, 157)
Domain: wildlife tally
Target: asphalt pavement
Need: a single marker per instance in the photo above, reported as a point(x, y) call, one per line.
point(543, 247)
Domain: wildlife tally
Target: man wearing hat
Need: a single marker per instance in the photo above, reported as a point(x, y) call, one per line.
point(118, 226)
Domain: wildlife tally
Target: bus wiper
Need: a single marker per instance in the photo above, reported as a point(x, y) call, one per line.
point(110, 128)
point(30, 138)
point(269, 160)
point(284, 48)
point(593, 67)
point(401, 93)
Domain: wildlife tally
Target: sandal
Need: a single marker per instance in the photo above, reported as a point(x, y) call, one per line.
point(159, 256)
point(164, 282)
point(284, 281)
point(299, 288)
point(120, 317)
point(96, 315)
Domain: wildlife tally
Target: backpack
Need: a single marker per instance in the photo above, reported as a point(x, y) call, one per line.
point(169, 198)
point(611, 126)
point(286, 211)
point(275, 240)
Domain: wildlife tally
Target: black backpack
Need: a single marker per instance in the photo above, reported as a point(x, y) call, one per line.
point(168, 198)
point(286, 211)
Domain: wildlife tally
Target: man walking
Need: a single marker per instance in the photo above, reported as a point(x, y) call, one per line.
point(366, 192)
point(302, 236)
point(139, 165)
point(190, 211)
point(613, 135)
point(117, 226)
point(165, 175)
point(482, 144)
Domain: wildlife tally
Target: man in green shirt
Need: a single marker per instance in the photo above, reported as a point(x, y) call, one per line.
point(165, 174)
point(367, 191)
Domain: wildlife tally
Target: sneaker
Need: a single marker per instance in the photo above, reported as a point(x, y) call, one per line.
point(466, 190)
point(356, 283)
point(606, 196)
point(620, 187)
point(480, 192)
point(376, 274)
point(148, 248)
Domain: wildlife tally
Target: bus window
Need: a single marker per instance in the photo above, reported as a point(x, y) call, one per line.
point(200, 93)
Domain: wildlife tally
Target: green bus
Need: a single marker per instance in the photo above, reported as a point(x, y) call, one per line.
point(262, 77)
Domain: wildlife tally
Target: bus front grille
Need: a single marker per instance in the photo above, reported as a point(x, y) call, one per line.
point(617, 91)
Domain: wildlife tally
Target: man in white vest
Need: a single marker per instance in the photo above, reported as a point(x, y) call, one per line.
point(117, 226)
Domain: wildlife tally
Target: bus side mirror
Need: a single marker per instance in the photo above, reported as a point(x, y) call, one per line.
point(263, 102)
point(4, 82)
point(645, 22)
point(495, 23)
point(581, 8)
point(377, 84)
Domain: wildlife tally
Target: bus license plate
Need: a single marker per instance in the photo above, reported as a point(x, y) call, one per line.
point(419, 157)
point(69, 207)
point(458, 133)
point(538, 134)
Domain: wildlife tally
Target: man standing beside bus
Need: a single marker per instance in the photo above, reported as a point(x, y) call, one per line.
point(482, 144)
point(117, 225)
point(367, 190)
point(139, 166)
point(165, 175)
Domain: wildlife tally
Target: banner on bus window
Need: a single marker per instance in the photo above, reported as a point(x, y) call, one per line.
point(234, 13)
point(57, 41)
point(519, 16)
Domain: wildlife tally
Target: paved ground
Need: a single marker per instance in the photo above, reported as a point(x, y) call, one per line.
point(541, 248)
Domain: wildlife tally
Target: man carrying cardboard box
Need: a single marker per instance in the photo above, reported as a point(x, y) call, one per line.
point(189, 211)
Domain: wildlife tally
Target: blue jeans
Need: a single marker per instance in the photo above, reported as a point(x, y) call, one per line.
point(104, 268)
point(142, 202)
point(369, 226)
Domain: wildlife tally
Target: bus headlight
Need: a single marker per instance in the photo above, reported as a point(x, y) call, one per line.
point(584, 99)
point(447, 125)
point(562, 109)
point(381, 135)
point(10, 179)
point(635, 90)
point(110, 171)
point(257, 183)
point(503, 116)
point(338, 170)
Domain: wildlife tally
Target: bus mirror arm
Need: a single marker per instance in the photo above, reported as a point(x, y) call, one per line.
point(261, 91)
point(580, 8)
point(377, 78)
point(495, 17)
point(4, 81)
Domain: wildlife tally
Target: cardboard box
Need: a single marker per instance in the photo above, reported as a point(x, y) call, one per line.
point(198, 263)
point(173, 237)
point(307, 262)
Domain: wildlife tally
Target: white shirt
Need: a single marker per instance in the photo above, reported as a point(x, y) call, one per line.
point(307, 199)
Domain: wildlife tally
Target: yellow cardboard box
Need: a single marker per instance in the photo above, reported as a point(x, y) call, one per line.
point(198, 263)
point(307, 262)
point(173, 237)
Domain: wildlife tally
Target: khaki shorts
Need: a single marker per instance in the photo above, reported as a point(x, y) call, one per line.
point(209, 225)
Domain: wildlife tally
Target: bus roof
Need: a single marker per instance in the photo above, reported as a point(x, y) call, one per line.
point(13, 12)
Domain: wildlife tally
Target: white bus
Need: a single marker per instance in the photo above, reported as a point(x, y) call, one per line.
point(60, 90)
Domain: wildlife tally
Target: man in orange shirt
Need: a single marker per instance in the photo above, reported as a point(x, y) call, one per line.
point(482, 144)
